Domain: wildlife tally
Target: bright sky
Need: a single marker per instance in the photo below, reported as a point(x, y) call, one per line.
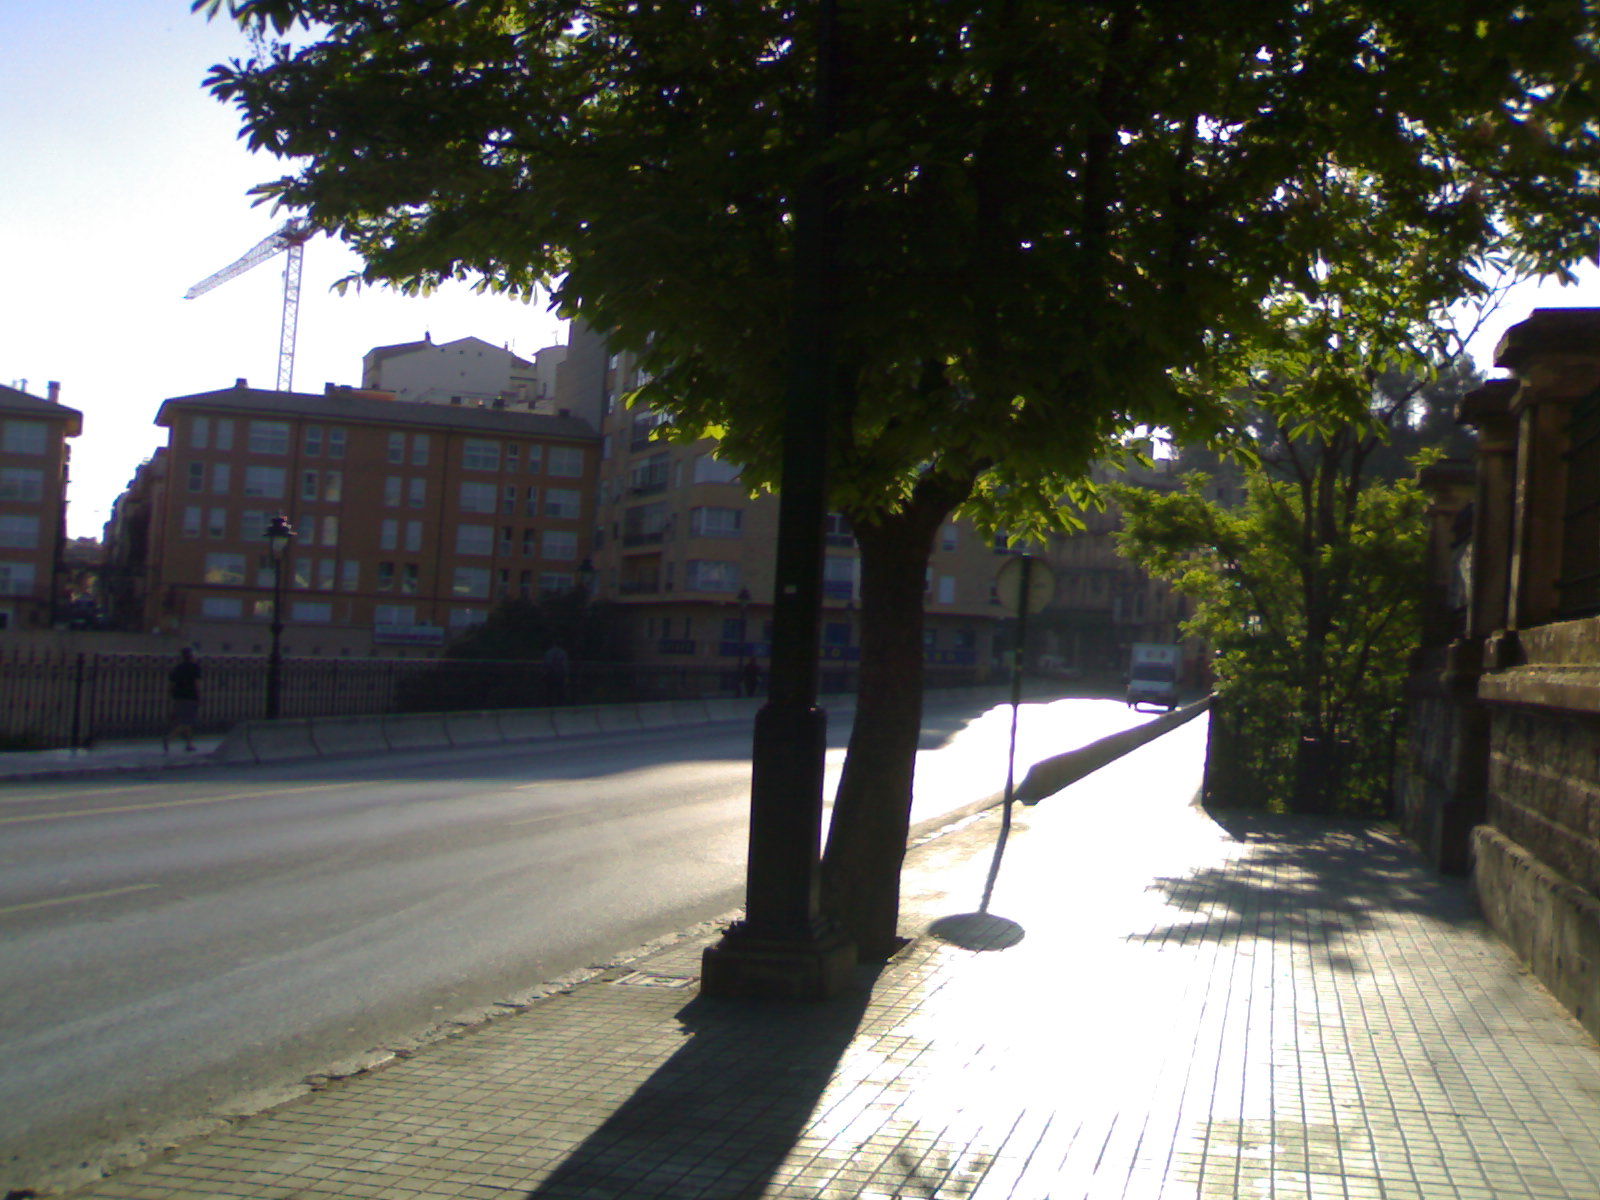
point(125, 184)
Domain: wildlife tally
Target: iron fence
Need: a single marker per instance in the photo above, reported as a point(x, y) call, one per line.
point(52, 698)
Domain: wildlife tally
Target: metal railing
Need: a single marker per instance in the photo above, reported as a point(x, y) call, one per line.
point(65, 698)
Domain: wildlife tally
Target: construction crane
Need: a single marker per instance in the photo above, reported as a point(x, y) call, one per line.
point(292, 237)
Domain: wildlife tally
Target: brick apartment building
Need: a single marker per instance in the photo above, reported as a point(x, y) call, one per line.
point(412, 519)
point(33, 504)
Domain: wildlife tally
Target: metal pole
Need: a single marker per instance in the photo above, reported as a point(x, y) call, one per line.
point(1024, 587)
point(275, 658)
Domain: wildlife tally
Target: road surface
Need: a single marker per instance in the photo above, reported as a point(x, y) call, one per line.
point(197, 944)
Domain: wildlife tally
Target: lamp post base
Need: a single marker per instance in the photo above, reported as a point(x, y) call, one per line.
point(746, 967)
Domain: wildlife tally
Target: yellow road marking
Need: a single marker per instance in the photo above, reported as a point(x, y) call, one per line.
point(158, 804)
point(121, 891)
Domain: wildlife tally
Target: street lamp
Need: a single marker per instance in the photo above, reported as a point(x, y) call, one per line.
point(744, 612)
point(279, 534)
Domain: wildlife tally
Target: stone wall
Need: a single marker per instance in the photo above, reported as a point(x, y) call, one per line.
point(1503, 775)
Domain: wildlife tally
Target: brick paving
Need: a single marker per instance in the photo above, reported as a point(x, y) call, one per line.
point(1159, 1002)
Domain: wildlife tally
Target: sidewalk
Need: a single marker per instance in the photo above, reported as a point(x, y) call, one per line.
point(1156, 1005)
point(144, 754)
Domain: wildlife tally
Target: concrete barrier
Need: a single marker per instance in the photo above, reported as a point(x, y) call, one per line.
point(690, 712)
point(526, 724)
point(416, 731)
point(655, 714)
point(569, 721)
point(235, 746)
point(732, 708)
point(1050, 775)
point(349, 735)
point(617, 718)
point(274, 741)
point(475, 728)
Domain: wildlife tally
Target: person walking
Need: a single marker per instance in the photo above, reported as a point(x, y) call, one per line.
point(184, 688)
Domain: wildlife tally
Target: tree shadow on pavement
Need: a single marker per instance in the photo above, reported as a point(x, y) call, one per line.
point(1310, 880)
point(723, 1113)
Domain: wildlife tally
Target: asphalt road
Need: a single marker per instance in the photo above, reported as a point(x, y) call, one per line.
point(182, 947)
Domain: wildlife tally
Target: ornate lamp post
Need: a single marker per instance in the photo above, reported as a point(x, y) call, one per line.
point(279, 534)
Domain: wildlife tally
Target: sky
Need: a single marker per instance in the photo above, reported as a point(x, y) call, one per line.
point(123, 183)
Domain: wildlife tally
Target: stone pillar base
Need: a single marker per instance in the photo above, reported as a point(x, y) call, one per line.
point(744, 967)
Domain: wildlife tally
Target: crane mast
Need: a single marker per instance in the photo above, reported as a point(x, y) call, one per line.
point(292, 237)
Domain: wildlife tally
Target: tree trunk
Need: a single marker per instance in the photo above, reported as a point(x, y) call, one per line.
point(872, 812)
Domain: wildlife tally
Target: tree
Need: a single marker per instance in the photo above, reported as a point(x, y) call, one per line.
point(1042, 209)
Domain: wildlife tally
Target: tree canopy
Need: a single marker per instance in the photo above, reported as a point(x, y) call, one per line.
point(1044, 210)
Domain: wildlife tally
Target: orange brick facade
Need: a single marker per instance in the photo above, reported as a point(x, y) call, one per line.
point(412, 520)
point(33, 482)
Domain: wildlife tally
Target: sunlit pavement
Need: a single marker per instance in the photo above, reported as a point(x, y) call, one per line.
point(1155, 1004)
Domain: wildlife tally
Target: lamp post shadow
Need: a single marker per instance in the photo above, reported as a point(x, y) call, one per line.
point(723, 1113)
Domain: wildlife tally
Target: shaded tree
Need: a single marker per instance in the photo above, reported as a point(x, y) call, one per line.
point(1043, 209)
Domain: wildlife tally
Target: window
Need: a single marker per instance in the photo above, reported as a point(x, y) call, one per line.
point(16, 578)
point(394, 614)
point(224, 568)
point(25, 484)
point(311, 612)
point(525, 584)
point(385, 576)
point(530, 541)
point(269, 437)
point(474, 539)
point(222, 608)
point(531, 508)
point(419, 449)
point(508, 500)
point(308, 485)
point(416, 492)
point(477, 497)
point(298, 571)
point(408, 578)
point(480, 454)
point(651, 474)
point(199, 432)
point(716, 522)
point(555, 581)
point(197, 477)
point(462, 617)
point(714, 470)
point(503, 582)
point(839, 578)
point(19, 532)
point(389, 535)
point(217, 523)
point(391, 491)
point(701, 575)
point(350, 575)
point(947, 589)
point(413, 535)
point(264, 481)
point(313, 440)
point(22, 437)
point(562, 503)
point(253, 525)
point(332, 485)
point(336, 443)
point(505, 539)
point(191, 521)
point(566, 461)
point(221, 478)
point(513, 455)
point(947, 537)
point(224, 433)
point(472, 582)
point(535, 459)
point(560, 544)
point(325, 570)
point(397, 447)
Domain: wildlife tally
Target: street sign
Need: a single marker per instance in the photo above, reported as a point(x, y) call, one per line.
point(1025, 584)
